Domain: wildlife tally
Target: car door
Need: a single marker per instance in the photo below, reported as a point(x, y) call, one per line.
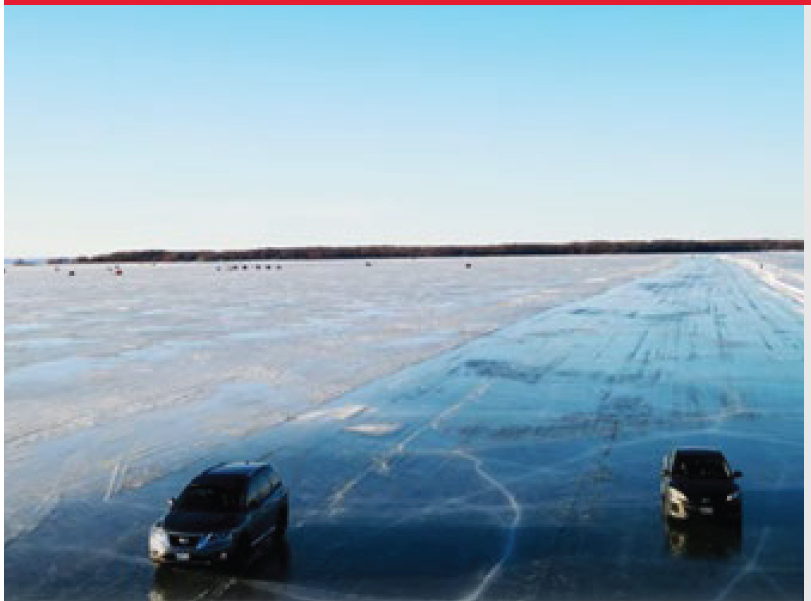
point(276, 494)
point(263, 506)
point(251, 507)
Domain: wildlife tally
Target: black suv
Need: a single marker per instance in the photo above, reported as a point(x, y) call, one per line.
point(221, 515)
point(699, 482)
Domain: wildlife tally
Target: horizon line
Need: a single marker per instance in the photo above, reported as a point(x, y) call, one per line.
point(366, 246)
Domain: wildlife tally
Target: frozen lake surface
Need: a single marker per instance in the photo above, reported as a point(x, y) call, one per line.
point(514, 456)
point(113, 381)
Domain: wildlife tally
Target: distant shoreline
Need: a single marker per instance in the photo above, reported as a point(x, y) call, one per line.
point(596, 247)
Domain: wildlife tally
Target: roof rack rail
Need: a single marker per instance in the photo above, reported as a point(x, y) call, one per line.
point(213, 467)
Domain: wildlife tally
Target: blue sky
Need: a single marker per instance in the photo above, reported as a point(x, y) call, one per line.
point(237, 127)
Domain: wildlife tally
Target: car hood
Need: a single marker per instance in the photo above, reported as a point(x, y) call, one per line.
point(193, 521)
point(704, 488)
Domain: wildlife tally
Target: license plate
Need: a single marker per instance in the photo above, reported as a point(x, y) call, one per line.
point(705, 510)
point(183, 556)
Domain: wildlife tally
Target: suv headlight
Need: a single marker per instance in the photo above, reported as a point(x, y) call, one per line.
point(677, 495)
point(158, 539)
point(734, 495)
point(217, 538)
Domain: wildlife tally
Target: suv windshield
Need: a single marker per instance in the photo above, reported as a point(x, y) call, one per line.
point(208, 499)
point(701, 467)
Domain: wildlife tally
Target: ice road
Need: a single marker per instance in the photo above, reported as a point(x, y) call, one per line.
point(522, 464)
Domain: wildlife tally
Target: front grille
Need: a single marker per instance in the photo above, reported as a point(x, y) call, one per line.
point(711, 499)
point(184, 540)
point(717, 502)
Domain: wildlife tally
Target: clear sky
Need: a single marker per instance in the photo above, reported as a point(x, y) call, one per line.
point(238, 127)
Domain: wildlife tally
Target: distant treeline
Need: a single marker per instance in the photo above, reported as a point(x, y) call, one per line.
point(496, 250)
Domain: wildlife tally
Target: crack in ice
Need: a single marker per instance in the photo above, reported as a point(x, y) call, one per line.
point(750, 566)
point(510, 544)
point(381, 464)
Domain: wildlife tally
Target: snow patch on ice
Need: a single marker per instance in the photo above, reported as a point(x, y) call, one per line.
point(371, 429)
point(332, 413)
point(776, 277)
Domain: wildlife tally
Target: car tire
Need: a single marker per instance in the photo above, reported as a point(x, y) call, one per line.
point(241, 552)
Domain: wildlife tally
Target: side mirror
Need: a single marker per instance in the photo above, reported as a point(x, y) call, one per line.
point(737, 474)
point(171, 502)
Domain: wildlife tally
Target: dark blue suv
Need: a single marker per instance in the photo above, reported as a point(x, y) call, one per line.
point(222, 515)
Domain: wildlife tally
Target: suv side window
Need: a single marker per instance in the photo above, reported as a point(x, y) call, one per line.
point(260, 487)
point(273, 483)
point(678, 466)
point(264, 486)
point(254, 491)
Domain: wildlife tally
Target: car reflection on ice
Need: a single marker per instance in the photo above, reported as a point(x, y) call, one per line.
point(702, 541)
point(257, 579)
